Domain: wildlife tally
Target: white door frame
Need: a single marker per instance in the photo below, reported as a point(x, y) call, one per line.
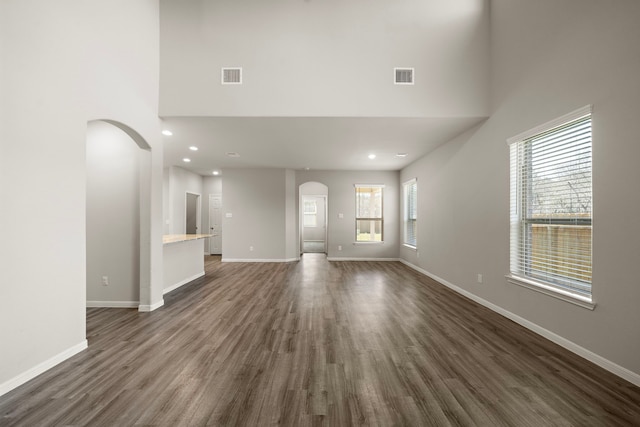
point(325, 224)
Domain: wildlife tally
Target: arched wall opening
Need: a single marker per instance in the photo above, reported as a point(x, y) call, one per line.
point(118, 215)
point(314, 199)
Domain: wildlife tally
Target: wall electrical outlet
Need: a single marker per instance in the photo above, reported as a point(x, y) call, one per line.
point(251, 248)
point(339, 247)
point(105, 280)
point(479, 278)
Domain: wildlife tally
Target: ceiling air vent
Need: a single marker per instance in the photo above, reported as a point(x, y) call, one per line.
point(232, 76)
point(403, 76)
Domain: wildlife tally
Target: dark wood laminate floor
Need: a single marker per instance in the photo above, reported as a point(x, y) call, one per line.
point(318, 343)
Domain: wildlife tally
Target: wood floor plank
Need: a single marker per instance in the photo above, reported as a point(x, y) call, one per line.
point(318, 343)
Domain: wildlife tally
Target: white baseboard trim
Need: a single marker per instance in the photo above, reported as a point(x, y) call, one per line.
point(207, 253)
point(182, 282)
point(113, 304)
point(41, 367)
point(259, 260)
point(333, 258)
point(147, 308)
point(610, 366)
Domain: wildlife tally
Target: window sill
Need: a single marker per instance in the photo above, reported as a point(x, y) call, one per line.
point(408, 246)
point(368, 243)
point(569, 297)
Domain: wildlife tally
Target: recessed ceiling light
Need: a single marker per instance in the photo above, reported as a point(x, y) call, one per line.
point(186, 160)
point(372, 156)
point(232, 154)
point(167, 132)
point(193, 148)
point(401, 155)
point(216, 173)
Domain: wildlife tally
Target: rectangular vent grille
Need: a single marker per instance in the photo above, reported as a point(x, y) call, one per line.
point(403, 76)
point(232, 76)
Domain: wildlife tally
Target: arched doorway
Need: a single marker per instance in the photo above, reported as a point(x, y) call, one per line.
point(117, 215)
point(313, 198)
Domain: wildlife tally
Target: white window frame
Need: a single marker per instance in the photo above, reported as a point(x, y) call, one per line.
point(371, 218)
point(520, 182)
point(407, 214)
point(311, 215)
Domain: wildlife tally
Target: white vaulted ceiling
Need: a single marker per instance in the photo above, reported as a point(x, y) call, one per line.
point(318, 86)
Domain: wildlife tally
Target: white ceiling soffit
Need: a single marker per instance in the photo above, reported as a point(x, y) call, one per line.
point(298, 143)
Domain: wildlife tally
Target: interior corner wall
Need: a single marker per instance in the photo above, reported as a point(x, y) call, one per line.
point(342, 200)
point(549, 58)
point(212, 184)
point(66, 64)
point(292, 248)
point(253, 210)
point(113, 216)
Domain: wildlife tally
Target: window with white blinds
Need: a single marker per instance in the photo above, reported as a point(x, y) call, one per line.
point(551, 204)
point(411, 212)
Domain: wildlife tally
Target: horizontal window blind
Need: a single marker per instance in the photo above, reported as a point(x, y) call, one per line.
point(411, 213)
point(551, 205)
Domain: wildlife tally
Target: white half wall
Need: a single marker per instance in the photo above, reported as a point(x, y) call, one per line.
point(183, 262)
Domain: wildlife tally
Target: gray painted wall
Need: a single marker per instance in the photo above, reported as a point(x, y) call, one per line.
point(113, 215)
point(549, 58)
point(212, 184)
point(256, 200)
point(182, 181)
point(298, 58)
point(292, 250)
point(66, 65)
point(341, 231)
